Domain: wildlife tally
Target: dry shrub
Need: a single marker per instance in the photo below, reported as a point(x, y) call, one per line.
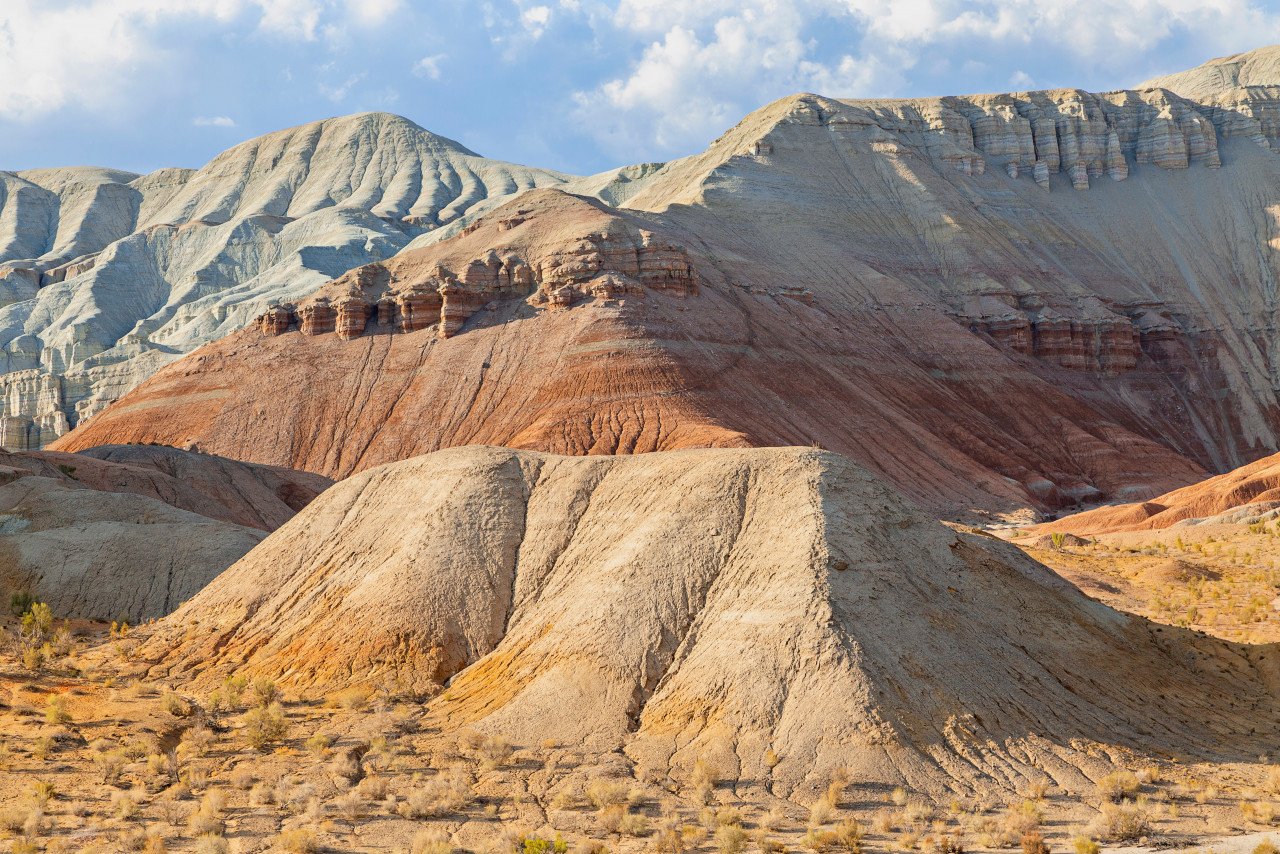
point(442, 795)
point(1118, 785)
point(730, 839)
point(431, 842)
point(1033, 843)
point(299, 840)
point(1125, 822)
point(1085, 845)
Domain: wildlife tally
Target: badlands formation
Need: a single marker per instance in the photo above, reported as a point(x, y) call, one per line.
point(105, 275)
point(561, 597)
point(995, 302)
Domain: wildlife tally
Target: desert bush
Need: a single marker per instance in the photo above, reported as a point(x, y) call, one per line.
point(541, 845)
point(1125, 822)
point(821, 812)
point(175, 704)
point(198, 740)
point(730, 839)
point(20, 602)
point(605, 793)
point(299, 840)
point(37, 622)
point(124, 804)
point(442, 795)
point(1118, 785)
point(493, 752)
point(263, 692)
point(265, 725)
point(211, 843)
point(242, 777)
point(55, 710)
point(350, 699)
point(41, 747)
point(1033, 843)
point(1266, 846)
point(847, 836)
point(633, 824)
point(319, 743)
point(1085, 845)
point(431, 842)
point(153, 843)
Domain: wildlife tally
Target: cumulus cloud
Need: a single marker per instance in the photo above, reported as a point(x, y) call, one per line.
point(55, 53)
point(429, 66)
point(701, 64)
point(213, 122)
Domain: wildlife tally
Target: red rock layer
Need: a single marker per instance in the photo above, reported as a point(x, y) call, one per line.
point(659, 348)
point(1255, 483)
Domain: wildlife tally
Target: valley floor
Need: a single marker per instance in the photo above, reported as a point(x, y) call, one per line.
point(94, 758)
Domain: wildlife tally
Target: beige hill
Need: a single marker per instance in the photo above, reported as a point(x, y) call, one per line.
point(131, 532)
point(715, 604)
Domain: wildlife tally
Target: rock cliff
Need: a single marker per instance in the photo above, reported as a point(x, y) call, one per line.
point(714, 605)
point(105, 275)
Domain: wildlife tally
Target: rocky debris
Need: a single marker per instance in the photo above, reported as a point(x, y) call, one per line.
point(713, 606)
point(105, 276)
point(1253, 487)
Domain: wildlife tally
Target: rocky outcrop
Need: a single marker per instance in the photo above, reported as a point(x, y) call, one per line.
point(713, 606)
point(106, 275)
point(602, 265)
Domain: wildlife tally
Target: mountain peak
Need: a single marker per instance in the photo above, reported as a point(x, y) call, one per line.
point(1259, 67)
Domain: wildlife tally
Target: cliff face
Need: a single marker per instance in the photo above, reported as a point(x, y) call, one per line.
point(105, 275)
point(997, 301)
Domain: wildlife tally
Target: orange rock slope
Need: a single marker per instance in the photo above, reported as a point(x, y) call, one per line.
point(1255, 484)
point(996, 302)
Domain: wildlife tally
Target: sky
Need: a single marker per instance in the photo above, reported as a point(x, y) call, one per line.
point(575, 85)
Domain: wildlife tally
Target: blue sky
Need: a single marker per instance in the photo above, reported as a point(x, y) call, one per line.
point(576, 85)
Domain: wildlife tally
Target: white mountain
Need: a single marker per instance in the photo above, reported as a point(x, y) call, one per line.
point(105, 275)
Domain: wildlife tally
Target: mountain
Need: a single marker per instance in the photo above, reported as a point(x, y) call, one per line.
point(713, 606)
point(130, 532)
point(105, 276)
point(996, 302)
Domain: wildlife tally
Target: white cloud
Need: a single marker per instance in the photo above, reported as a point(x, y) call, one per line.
point(213, 122)
point(535, 20)
point(429, 66)
point(340, 92)
point(1021, 81)
point(55, 53)
point(703, 63)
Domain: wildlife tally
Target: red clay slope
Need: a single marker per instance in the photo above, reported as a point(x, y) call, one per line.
point(1257, 482)
point(558, 324)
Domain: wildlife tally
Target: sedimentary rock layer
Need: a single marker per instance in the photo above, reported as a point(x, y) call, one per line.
point(714, 605)
point(888, 279)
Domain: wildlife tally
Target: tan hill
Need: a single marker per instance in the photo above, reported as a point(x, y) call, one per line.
point(131, 532)
point(714, 605)
point(105, 276)
point(1250, 490)
point(997, 302)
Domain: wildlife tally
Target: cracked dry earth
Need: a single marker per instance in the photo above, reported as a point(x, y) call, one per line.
point(620, 649)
